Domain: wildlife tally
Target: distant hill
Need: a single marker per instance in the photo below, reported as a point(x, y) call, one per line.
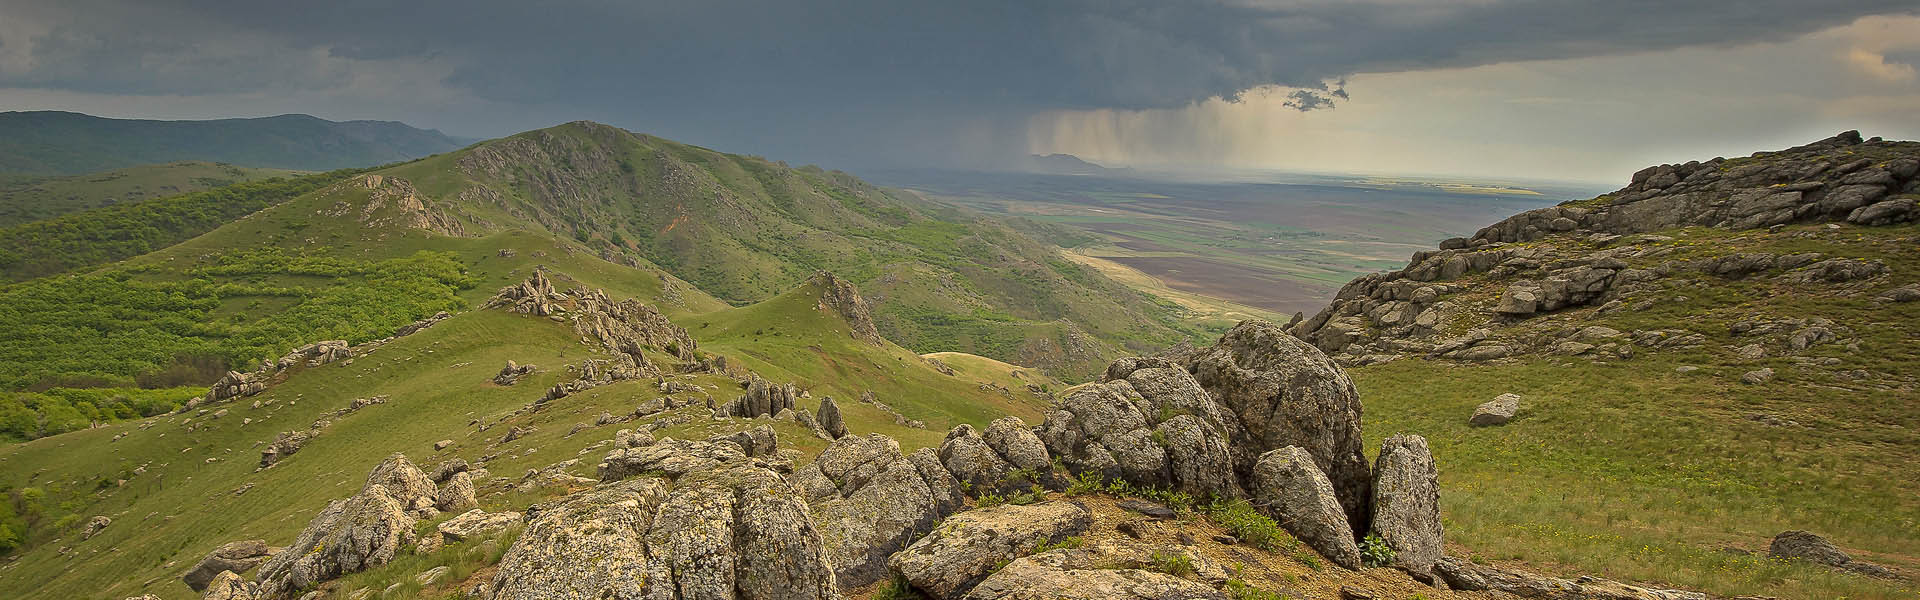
point(26, 198)
point(1065, 164)
point(65, 143)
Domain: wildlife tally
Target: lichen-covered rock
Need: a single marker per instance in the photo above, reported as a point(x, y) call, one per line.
point(1497, 411)
point(981, 470)
point(475, 523)
point(283, 446)
point(238, 557)
point(1011, 439)
point(351, 535)
point(758, 441)
point(870, 501)
point(1288, 486)
point(761, 397)
point(1148, 423)
point(667, 457)
point(95, 525)
point(965, 548)
point(1464, 575)
point(1406, 503)
point(1281, 392)
point(456, 493)
point(728, 531)
point(1098, 573)
point(228, 585)
point(1807, 546)
point(512, 373)
point(408, 485)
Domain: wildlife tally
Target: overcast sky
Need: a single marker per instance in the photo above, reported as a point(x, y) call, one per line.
point(1502, 88)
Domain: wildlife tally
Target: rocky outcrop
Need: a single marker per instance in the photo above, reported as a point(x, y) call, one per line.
point(1464, 575)
point(839, 296)
point(95, 525)
point(283, 446)
point(228, 585)
point(1150, 423)
point(236, 385)
point(456, 493)
point(761, 397)
point(1497, 411)
point(983, 469)
point(1599, 252)
point(1283, 392)
point(869, 501)
point(830, 419)
point(725, 530)
point(237, 557)
point(391, 202)
point(351, 535)
point(512, 373)
point(628, 330)
point(1288, 486)
point(1406, 504)
point(316, 354)
point(965, 549)
point(667, 457)
point(477, 523)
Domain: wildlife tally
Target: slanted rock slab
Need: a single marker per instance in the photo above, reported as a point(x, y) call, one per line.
point(1290, 488)
point(964, 549)
point(1406, 504)
point(1497, 411)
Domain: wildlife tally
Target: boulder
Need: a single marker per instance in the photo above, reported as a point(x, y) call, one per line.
point(966, 548)
point(1406, 503)
point(967, 456)
point(95, 525)
point(1758, 376)
point(1281, 392)
point(351, 535)
point(830, 420)
point(667, 458)
point(447, 468)
point(759, 441)
point(408, 485)
point(456, 494)
point(283, 446)
point(475, 523)
point(1497, 411)
point(1464, 575)
point(1287, 486)
point(1148, 422)
point(1010, 438)
point(730, 531)
point(1807, 546)
point(228, 585)
point(237, 557)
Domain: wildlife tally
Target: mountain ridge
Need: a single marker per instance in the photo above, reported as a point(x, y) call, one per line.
point(66, 143)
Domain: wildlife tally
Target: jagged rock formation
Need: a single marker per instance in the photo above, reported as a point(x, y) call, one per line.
point(392, 201)
point(830, 420)
point(1099, 573)
point(1604, 253)
point(839, 296)
point(761, 397)
point(231, 586)
point(983, 464)
point(282, 446)
point(869, 501)
point(360, 532)
point(628, 330)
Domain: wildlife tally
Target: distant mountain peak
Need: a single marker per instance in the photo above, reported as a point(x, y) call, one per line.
point(1064, 164)
point(59, 142)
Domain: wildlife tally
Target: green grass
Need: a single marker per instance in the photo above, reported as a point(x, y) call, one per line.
point(24, 199)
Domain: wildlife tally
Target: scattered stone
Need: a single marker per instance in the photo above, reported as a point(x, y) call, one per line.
point(442, 444)
point(1497, 411)
point(1811, 547)
point(238, 557)
point(431, 576)
point(1757, 377)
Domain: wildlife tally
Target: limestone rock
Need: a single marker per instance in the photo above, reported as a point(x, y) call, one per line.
point(956, 556)
point(1406, 503)
point(1010, 438)
point(1497, 411)
point(230, 586)
point(1758, 376)
point(456, 493)
point(238, 557)
point(1098, 573)
point(1283, 392)
point(475, 523)
point(869, 501)
point(1287, 486)
point(839, 295)
point(351, 535)
point(668, 457)
point(731, 531)
point(1807, 546)
point(1464, 575)
point(408, 485)
point(1150, 423)
point(95, 525)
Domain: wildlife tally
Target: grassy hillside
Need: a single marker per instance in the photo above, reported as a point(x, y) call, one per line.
point(53, 143)
point(745, 229)
point(25, 198)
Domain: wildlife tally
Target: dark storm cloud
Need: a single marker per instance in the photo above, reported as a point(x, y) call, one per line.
point(731, 67)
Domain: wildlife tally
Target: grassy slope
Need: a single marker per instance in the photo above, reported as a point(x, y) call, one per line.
point(746, 229)
point(24, 199)
point(1631, 469)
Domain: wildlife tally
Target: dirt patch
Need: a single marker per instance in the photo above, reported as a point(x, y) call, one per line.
point(1227, 281)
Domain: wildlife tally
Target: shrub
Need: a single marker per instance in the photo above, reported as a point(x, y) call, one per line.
point(1374, 551)
point(1172, 563)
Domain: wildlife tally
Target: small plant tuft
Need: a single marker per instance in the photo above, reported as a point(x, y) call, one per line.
point(1374, 551)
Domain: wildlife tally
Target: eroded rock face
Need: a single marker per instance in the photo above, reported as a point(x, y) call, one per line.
point(351, 535)
point(238, 557)
point(1288, 486)
point(967, 455)
point(730, 531)
point(963, 551)
point(229, 586)
point(761, 397)
point(869, 501)
point(842, 298)
point(628, 329)
point(668, 457)
point(407, 484)
point(1283, 392)
point(1148, 423)
point(1406, 503)
point(456, 493)
point(475, 523)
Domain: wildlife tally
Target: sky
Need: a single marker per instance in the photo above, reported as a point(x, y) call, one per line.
point(1519, 89)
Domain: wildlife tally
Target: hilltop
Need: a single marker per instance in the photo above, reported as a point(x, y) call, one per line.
point(32, 198)
point(65, 143)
